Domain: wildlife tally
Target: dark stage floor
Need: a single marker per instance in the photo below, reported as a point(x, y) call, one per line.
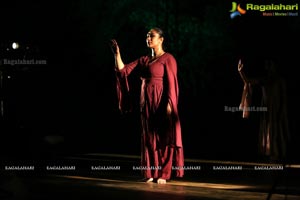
point(111, 176)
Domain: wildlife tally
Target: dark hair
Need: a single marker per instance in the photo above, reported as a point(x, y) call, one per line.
point(159, 31)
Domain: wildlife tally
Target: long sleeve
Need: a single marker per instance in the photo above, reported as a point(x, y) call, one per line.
point(173, 94)
point(122, 86)
point(246, 100)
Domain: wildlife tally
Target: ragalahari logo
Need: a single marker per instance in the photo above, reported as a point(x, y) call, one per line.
point(236, 10)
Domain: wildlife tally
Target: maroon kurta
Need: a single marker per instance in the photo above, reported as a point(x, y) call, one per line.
point(162, 150)
point(274, 135)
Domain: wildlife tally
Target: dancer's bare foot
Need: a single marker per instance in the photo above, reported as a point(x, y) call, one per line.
point(149, 180)
point(161, 181)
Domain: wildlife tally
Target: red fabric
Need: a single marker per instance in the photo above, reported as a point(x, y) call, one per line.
point(123, 94)
point(161, 133)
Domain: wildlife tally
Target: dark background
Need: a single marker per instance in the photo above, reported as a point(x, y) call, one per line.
point(69, 104)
